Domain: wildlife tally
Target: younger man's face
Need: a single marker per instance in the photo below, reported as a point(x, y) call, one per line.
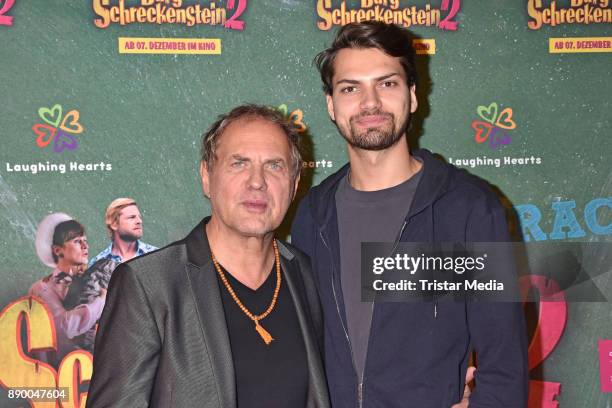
point(371, 101)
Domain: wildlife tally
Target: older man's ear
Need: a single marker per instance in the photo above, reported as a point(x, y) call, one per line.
point(296, 185)
point(205, 179)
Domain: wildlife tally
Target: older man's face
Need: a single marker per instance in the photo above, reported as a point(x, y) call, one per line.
point(251, 183)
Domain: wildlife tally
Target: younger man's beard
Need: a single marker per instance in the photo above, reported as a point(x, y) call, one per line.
point(375, 138)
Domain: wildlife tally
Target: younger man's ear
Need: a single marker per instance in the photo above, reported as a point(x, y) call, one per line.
point(330, 107)
point(413, 99)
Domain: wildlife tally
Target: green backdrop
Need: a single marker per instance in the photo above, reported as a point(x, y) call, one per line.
point(144, 115)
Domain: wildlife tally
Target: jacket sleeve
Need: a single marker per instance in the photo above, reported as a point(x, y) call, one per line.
point(312, 296)
point(303, 228)
point(127, 346)
point(497, 329)
point(303, 237)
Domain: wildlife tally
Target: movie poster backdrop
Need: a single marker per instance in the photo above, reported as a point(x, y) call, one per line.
point(103, 99)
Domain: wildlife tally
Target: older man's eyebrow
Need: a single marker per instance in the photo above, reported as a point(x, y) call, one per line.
point(277, 161)
point(240, 158)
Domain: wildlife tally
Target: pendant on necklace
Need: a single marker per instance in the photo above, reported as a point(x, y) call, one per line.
point(267, 338)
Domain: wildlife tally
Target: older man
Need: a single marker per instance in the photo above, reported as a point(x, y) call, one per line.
point(228, 316)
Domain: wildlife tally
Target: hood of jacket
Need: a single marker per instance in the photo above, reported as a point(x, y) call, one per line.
point(435, 182)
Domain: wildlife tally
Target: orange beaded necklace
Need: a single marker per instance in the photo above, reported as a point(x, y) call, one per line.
point(267, 338)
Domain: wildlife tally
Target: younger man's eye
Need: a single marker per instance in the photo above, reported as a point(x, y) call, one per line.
point(348, 89)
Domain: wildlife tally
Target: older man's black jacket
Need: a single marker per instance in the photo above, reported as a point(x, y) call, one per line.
point(163, 339)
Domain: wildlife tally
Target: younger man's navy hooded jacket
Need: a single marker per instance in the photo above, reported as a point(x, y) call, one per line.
point(418, 352)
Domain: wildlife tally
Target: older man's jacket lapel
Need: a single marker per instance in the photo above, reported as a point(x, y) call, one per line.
point(204, 285)
point(203, 281)
point(317, 389)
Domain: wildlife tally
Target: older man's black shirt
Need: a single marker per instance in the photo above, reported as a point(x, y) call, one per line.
point(267, 376)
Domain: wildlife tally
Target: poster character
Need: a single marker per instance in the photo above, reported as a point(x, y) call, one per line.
point(61, 244)
point(85, 289)
point(124, 225)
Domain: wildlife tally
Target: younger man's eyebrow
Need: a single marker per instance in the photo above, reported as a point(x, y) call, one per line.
point(355, 81)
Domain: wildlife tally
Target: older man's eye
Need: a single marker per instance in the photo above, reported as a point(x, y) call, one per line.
point(237, 164)
point(275, 165)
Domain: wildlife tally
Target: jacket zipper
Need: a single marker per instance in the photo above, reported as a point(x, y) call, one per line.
point(348, 340)
point(362, 380)
point(399, 236)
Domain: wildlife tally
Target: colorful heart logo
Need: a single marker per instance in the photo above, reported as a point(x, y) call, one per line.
point(64, 141)
point(488, 113)
point(495, 141)
point(58, 128)
point(52, 116)
point(71, 123)
point(297, 116)
point(282, 109)
point(491, 126)
point(505, 120)
point(45, 134)
point(480, 127)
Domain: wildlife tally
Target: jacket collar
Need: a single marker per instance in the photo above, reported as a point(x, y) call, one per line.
point(198, 249)
point(435, 181)
point(202, 278)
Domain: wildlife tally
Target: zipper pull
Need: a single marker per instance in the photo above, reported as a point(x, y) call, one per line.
point(435, 310)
